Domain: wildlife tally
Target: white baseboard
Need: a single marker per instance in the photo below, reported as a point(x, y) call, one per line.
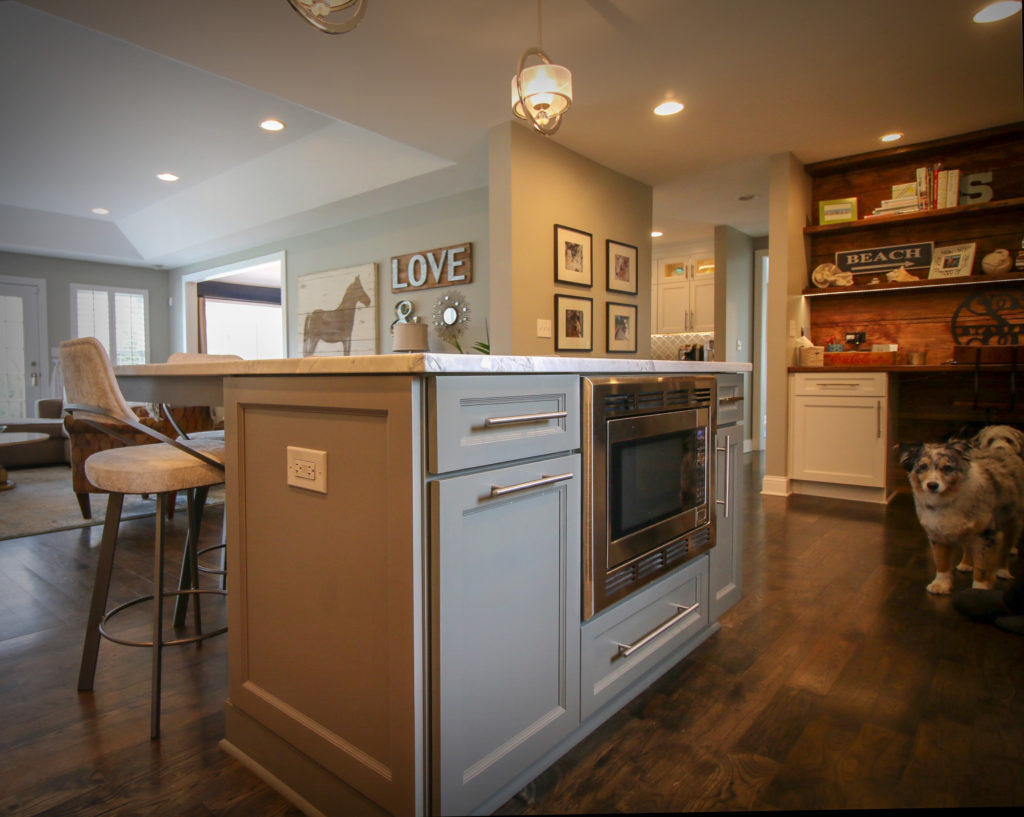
point(775, 486)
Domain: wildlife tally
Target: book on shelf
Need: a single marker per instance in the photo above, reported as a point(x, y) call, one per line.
point(937, 188)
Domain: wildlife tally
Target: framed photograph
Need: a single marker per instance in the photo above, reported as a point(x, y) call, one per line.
point(621, 327)
point(337, 310)
point(835, 211)
point(574, 262)
point(622, 275)
point(574, 324)
point(955, 261)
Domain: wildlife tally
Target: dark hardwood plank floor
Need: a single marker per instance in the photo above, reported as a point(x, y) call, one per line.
point(835, 683)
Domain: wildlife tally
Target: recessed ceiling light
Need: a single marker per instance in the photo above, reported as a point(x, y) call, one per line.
point(167, 177)
point(656, 234)
point(272, 124)
point(997, 11)
point(668, 108)
point(895, 136)
point(101, 211)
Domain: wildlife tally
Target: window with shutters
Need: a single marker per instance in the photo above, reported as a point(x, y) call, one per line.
point(118, 318)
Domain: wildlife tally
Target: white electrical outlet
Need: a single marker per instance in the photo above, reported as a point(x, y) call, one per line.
point(543, 328)
point(307, 468)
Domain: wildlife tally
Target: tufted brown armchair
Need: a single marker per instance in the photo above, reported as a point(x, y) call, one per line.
point(86, 440)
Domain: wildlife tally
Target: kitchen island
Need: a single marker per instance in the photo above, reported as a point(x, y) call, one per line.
point(405, 638)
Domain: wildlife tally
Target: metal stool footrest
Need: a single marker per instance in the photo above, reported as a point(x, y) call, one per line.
point(174, 642)
point(217, 570)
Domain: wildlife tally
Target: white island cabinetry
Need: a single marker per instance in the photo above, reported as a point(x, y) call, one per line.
point(409, 641)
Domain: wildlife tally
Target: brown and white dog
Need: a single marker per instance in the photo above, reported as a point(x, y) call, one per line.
point(1006, 437)
point(970, 498)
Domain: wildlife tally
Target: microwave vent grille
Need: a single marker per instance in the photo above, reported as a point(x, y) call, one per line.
point(640, 571)
point(628, 402)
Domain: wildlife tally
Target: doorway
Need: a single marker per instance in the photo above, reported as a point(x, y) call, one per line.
point(250, 324)
point(24, 369)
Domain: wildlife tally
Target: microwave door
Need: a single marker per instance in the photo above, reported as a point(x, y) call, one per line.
point(656, 481)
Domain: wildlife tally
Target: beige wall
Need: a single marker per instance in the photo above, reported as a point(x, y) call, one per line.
point(61, 273)
point(535, 183)
point(439, 223)
point(789, 210)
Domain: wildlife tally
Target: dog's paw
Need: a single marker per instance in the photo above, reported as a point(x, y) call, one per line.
point(942, 585)
point(1003, 573)
point(965, 567)
point(979, 584)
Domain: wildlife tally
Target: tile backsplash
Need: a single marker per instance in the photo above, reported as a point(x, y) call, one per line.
point(666, 347)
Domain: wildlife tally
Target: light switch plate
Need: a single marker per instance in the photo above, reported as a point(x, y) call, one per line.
point(543, 328)
point(307, 468)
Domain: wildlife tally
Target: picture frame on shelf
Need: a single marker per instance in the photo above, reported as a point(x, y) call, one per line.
point(574, 262)
point(622, 267)
point(574, 323)
point(837, 211)
point(954, 261)
point(621, 327)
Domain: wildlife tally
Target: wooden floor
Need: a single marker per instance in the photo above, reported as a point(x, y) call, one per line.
point(835, 683)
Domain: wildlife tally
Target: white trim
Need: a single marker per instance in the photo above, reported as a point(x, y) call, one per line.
point(42, 328)
point(775, 486)
point(189, 301)
point(74, 288)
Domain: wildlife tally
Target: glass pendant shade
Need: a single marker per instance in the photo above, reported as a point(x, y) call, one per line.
point(541, 93)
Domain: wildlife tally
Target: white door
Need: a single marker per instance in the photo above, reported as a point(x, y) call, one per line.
point(22, 364)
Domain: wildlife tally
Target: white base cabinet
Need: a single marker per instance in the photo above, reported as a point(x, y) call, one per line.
point(838, 430)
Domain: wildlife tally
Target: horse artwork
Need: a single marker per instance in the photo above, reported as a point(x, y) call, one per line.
point(349, 324)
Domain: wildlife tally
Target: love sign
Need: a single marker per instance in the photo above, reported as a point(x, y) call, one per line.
point(445, 266)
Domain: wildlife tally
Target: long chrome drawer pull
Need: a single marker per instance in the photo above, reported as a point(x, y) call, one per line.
point(525, 418)
point(501, 490)
point(628, 649)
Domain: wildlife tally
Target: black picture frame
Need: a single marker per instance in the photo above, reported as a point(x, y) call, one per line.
point(620, 328)
point(574, 323)
point(622, 267)
point(574, 257)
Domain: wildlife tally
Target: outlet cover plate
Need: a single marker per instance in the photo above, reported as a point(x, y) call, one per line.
point(307, 469)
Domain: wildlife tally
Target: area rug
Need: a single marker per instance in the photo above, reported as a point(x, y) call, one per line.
point(43, 502)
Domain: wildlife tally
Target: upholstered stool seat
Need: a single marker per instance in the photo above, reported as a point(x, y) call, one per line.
point(162, 469)
point(155, 469)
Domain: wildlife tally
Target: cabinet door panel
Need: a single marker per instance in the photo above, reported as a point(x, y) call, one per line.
point(673, 307)
point(726, 557)
point(702, 303)
point(839, 439)
point(506, 631)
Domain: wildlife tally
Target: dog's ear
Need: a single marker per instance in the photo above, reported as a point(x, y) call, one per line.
point(961, 447)
point(909, 454)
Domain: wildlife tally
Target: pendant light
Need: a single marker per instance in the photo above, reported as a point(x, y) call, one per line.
point(318, 12)
point(541, 93)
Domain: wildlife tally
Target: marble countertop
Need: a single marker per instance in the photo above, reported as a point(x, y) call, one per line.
point(433, 364)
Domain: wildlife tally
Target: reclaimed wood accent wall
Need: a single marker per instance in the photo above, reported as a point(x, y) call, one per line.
point(917, 321)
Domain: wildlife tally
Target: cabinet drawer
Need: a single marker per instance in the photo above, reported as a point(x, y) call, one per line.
point(868, 384)
point(476, 421)
point(648, 626)
point(730, 398)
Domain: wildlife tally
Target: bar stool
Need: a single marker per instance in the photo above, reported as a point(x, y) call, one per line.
point(162, 468)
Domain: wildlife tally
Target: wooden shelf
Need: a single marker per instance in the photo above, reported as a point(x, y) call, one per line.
point(924, 283)
point(921, 216)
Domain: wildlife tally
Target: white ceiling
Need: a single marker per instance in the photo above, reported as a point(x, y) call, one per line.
point(99, 96)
